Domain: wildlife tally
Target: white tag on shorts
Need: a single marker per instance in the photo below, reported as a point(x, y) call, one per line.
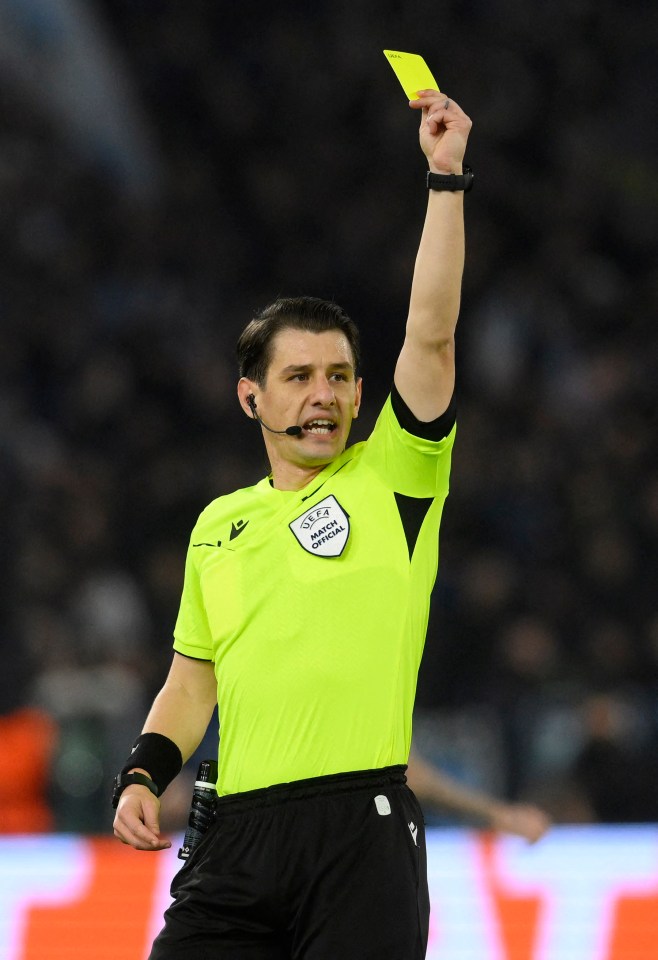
point(382, 804)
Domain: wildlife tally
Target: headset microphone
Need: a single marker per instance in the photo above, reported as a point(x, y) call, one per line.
point(291, 431)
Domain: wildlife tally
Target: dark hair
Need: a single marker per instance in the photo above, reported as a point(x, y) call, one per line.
point(254, 347)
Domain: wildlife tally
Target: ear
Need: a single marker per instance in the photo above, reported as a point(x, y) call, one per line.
point(247, 389)
point(357, 397)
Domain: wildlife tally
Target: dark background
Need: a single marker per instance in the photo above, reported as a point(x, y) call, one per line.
point(166, 169)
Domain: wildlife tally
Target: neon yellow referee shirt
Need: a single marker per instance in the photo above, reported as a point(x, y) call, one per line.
point(313, 605)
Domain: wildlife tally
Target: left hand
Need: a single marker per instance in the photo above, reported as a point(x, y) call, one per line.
point(444, 130)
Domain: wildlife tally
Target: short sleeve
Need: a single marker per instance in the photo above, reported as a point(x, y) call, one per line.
point(411, 465)
point(434, 429)
point(191, 633)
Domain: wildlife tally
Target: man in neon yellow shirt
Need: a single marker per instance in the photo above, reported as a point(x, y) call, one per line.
point(303, 617)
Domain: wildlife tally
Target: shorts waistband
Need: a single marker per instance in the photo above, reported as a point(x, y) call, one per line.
point(315, 786)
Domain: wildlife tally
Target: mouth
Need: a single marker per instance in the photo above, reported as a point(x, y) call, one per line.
point(320, 426)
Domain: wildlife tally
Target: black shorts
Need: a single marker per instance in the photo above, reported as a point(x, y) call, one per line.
point(332, 868)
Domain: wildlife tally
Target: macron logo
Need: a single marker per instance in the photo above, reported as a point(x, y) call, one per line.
point(414, 831)
point(237, 528)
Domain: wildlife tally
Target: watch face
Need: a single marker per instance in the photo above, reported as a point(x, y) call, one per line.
point(468, 178)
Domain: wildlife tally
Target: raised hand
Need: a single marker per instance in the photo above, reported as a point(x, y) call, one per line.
point(444, 130)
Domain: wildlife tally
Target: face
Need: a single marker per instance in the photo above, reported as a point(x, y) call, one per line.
point(310, 383)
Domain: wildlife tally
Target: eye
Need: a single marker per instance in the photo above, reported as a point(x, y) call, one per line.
point(339, 376)
point(298, 376)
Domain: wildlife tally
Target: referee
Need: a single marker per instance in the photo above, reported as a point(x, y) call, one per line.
point(303, 616)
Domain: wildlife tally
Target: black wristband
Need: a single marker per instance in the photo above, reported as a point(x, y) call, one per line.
point(450, 181)
point(159, 756)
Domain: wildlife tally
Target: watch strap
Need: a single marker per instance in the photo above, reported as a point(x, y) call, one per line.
point(450, 181)
point(123, 780)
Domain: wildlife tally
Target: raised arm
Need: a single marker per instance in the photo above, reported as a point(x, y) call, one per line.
point(425, 371)
point(181, 712)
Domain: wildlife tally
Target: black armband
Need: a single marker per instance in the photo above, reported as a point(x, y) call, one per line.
point(159, 756)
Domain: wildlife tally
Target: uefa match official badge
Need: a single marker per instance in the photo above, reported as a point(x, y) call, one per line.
point(323, 530)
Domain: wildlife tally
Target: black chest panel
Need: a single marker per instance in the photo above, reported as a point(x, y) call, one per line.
point(413, 511)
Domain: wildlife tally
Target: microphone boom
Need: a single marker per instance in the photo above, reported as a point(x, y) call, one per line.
point(293, 431)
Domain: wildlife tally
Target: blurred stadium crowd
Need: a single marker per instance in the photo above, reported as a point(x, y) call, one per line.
point(165, 170)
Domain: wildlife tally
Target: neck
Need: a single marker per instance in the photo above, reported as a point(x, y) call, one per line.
point(292, 476)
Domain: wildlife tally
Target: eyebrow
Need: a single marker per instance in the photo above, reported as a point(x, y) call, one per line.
point(306, 367)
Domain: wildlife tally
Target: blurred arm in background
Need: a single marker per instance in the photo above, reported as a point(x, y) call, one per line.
point(435, 788)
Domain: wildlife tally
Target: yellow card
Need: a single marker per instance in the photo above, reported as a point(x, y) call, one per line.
point(412, 72)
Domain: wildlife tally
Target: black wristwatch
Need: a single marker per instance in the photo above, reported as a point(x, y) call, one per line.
point(451, 181)
point(123, 780)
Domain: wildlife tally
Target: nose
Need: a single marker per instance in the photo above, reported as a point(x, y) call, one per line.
point(323, 392)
